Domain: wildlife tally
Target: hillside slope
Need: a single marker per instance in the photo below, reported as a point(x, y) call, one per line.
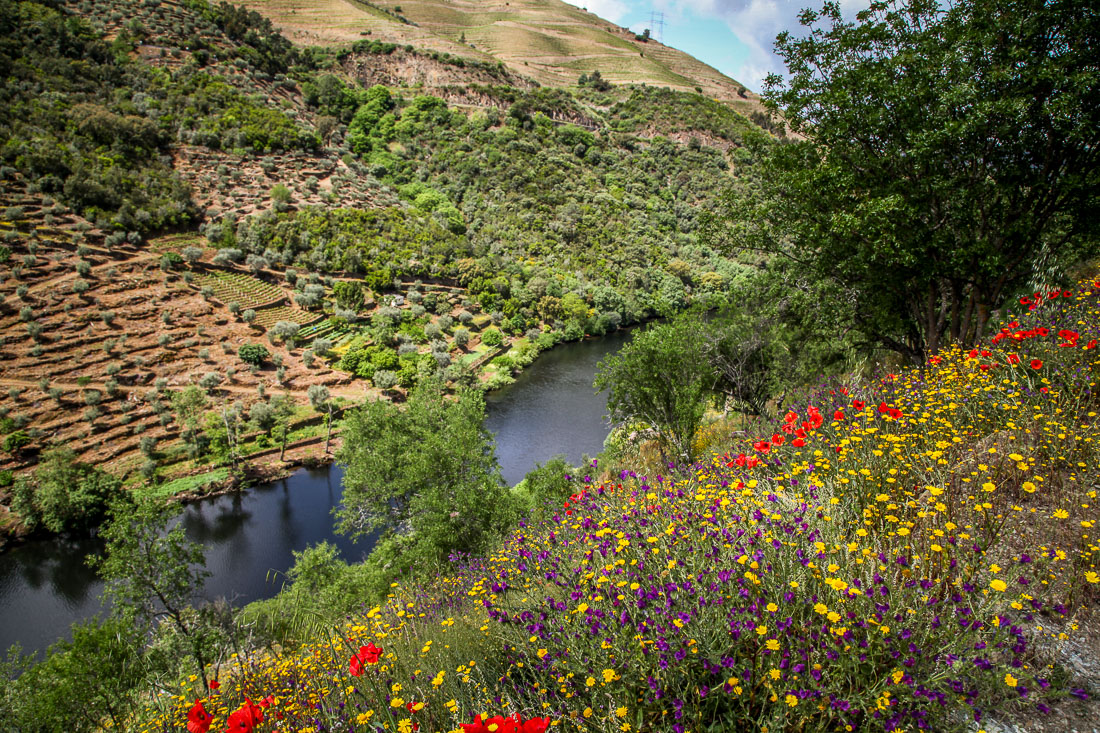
point(372, 213)
point(548, 40)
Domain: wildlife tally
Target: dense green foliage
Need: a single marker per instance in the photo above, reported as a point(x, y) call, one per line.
point(542, 222)
point(949, 161)
point(424, 477)
point(659, 379)
point(64, 494)
point(664, 109)
point(81, 683)
point(253, 353)
point(65, 128)
point(89, 123)
point(153, 574)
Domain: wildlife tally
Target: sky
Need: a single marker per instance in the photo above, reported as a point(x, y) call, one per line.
point(734, 36)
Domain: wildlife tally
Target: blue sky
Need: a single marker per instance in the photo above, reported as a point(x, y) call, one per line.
point(734, 36)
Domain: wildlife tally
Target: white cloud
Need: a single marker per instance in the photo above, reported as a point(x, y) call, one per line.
point(613, 10)
point(756, 23)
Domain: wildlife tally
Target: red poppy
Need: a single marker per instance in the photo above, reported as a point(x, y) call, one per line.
point(790, 417)
point(973, 354)
point(787, 428)
point(198, 720)
point(244, 718)
point(1070, 337)
point(535, 725)
point(496, 724)
point(1036, 364)
point(368, 654)
point(762, 446)
point(857, 405)
point(882, 407)
point(475, 727)
point(214, 684)
point(1013, 359)
point(1091, 344)
point(777, 439)
point(798, 442)
point(838, 415)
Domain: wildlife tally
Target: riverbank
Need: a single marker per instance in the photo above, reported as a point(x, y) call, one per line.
point(249, 535)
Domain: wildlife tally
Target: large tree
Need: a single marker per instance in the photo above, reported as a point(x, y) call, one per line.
point(662, 378)
point(153, 573)
point(424, 476)
point(944, 159)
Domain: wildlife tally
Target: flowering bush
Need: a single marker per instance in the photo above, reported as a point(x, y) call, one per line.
point(891, 556)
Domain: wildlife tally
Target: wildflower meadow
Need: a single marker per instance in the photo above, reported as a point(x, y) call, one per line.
point(905, 553)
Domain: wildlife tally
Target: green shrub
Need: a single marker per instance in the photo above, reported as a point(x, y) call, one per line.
point(64, 494)
point(492, 337)
point(254, 354)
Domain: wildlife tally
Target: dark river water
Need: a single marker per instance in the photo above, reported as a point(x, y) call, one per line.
point(248, 538)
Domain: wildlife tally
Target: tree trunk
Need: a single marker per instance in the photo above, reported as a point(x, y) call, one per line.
point(328, 432)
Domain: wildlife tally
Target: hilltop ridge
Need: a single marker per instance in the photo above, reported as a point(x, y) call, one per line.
point(549, 41)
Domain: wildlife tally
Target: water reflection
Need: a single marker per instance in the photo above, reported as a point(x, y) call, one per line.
point(249, 538)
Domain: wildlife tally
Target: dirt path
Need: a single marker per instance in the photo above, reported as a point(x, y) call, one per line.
point(53, 282)
point(348, 392)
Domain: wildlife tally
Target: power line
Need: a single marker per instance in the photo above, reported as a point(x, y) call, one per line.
point(657, 25)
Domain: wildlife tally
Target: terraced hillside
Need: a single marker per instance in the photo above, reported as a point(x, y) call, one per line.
point(549, 41)
point(371, 214)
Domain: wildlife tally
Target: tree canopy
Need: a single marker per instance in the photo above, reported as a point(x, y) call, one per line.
point(661, 378)
point(425, 475)
point(946, 160)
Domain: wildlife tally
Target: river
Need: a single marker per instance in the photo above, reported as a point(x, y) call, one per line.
point(249, 538)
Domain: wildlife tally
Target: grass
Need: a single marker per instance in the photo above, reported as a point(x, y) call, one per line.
point(522, 38)
point(185, 484)
point(905, 552)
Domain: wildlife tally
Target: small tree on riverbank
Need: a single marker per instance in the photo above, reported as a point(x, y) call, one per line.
point(153, 573)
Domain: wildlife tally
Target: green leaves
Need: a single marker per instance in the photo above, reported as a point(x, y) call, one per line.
point(659, 378)
point(426, 473)
point(939, 163)
point(64, 494)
